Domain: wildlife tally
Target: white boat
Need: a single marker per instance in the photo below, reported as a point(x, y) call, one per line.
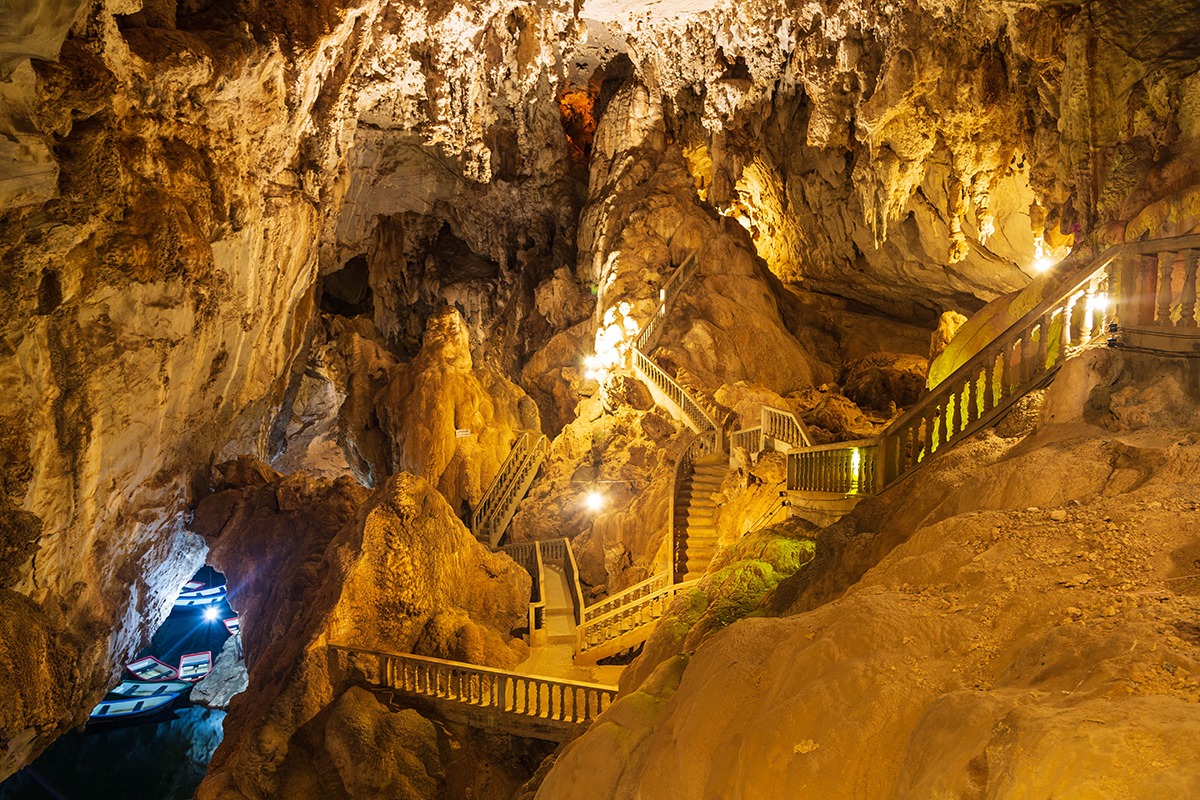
point(151, 669)
point(150, 688)
point(192, 586)
point(131, 706)
point(200, 597)
point(233, 625)
point(194, 666)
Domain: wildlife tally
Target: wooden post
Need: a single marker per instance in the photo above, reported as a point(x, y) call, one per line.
point(1187, 304)
point(1166, 265)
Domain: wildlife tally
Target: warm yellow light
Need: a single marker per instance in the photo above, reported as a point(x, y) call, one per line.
point(594, 501)
point(1042, 264)
point(1100, 303)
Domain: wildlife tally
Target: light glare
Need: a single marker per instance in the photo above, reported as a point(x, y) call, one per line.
point(594, 501)
point(211, 613)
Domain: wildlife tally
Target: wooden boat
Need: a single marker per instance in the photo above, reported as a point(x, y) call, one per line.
point(150, 688)
point(200, 597)
point(151, 669)
point(194, 666)
point(131, 706)
point(233, 625)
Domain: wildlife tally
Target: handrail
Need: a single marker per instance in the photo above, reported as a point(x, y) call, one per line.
point(697, 416)
point(1022, 357)
point(667, 294)
point(533, 697)
point(506, 501)
point(631, 617)
point(529, 556)
point(751, 439)
point(627, 596)
point(780, 424)
point(486, 508)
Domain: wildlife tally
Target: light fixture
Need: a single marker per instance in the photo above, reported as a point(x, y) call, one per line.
point(1042, 263)
point(594, 501)
point(211, 613)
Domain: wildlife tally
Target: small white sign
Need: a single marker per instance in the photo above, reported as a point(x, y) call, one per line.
point(462, 433)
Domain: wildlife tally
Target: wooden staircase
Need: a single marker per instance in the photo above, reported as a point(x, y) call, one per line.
point(698, 531)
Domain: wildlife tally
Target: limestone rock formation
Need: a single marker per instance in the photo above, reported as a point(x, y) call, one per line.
point(449, 421)
point(970, 632)
point(313, 562)
point(227, 678)
point(233, 228)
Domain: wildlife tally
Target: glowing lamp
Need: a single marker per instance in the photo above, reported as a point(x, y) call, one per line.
point(211, 613)
point(1042, 264)
point(594, 501)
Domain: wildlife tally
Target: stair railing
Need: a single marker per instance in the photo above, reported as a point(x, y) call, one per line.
point(505, 503)
point(528, 697)
point(487, 505)
point(779, 425)
point(1128, 291)
point(559, 551)
point(529, 556)
point(630, 618)
point(636, 592)
point(690, 411)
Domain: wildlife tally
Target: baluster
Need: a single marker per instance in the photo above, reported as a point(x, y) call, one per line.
point(928, 421)
point(1166, 266)
point(1187, 304)
point(974, 401)
point(1043, 350)
point(1025, 369)
point(1089, 312)
point(957, 423)
point(1065, 336)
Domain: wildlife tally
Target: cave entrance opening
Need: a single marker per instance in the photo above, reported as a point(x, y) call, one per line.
point(153, 735)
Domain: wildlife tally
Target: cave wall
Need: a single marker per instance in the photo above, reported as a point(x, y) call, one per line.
point(918, 146)
point(175, 176)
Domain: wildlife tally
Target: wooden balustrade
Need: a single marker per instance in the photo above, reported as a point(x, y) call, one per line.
point(531, 697)
point(688, 409)
point(633, 593)
point(491, 498)
point(631, 617)
point(749, 439)
point(784, 426)
point(845, 468)
point(1146, 291)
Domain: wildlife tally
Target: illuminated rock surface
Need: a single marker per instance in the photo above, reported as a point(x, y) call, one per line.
point(330, 236)
point(317, 562)
point(1006, 624)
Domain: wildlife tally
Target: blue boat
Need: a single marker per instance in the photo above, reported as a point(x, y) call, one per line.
point(123, 707)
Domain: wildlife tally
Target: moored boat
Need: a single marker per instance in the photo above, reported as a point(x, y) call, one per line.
point(150, 688)
point(151, 669)
point(119, 707)
point(194, 666)
point(200, 597)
